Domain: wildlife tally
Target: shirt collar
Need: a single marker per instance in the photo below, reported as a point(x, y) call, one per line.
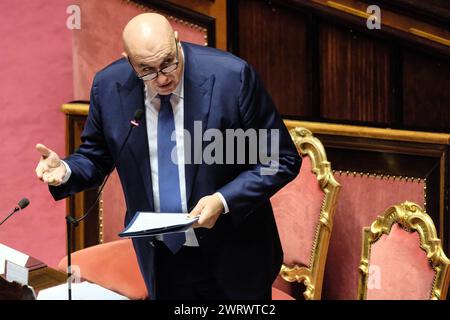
point(179, 90)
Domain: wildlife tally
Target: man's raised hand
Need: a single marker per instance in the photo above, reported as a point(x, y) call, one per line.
point(50, 169)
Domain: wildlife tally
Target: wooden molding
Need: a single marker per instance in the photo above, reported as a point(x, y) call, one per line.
point(430, 36)
point(348, 9)
point(370, 132)
point(77, 108)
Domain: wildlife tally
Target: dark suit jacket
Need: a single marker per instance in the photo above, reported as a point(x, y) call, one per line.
point(223, 92)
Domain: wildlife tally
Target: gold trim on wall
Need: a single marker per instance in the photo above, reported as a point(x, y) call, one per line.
point(430, 36)
point(370, 132)
point(312, 276)
point(77, 109)
point(411, 217)
point(349, 10)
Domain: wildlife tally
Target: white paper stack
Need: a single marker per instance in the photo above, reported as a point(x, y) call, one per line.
point(10, 254)
point(80, 291)
point(151, 224)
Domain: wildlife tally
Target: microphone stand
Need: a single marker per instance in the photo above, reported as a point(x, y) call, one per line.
point(69, 225)
point(15, 210)
point(23, 203)
point(72, 222)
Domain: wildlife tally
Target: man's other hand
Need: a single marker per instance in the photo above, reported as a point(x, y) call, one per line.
point(209, 209)
point(50, 169)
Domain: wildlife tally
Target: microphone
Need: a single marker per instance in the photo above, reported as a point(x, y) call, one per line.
point(72, 222)
point(23, 203)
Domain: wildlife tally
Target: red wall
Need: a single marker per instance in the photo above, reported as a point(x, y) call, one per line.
point(35, 79)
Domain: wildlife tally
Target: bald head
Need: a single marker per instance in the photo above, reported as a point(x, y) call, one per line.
point(151, 45)
point(147, 33)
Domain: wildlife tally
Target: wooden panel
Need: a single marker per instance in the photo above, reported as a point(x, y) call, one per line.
point(274, 40)
point(216, 9)
point(432, 9)
point(183, 15)
point(426, 92)
point(354, 76)
point(86, 233)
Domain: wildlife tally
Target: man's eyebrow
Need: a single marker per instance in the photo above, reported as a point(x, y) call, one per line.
point(168, 57)
point(144, 65)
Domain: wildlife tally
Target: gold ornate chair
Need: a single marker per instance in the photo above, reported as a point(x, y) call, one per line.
point(402, 257)
point(304, 211)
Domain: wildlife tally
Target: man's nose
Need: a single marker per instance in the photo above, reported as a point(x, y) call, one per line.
point(161, 78)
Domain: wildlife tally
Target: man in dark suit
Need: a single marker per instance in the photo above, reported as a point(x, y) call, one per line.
point(234, 251)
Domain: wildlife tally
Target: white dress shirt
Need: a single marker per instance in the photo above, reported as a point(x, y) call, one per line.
point(152, 107)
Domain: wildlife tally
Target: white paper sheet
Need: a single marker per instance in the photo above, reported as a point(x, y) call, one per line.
point(149, 220)
point(16, 273)
point(7, 253)
point(80, 291)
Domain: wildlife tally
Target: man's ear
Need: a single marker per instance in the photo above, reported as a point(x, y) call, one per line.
point(124, 54)
point(175, 33)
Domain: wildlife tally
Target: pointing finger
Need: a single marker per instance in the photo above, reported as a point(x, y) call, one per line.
point(43, 150)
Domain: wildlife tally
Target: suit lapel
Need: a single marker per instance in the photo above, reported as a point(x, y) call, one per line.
point(197, 91)
point(132, 98)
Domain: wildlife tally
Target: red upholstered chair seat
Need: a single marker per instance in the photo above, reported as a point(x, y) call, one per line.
point(304, 211)
point(402, 257)
point(112, 265)
point(297, 208)
point(363, 197)
point(277, 294)
point(400, 268)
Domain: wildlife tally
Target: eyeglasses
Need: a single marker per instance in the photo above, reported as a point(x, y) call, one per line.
point(167, 69)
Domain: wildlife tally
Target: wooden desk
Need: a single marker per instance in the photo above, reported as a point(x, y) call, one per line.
point(39, 279)
point(46, 277)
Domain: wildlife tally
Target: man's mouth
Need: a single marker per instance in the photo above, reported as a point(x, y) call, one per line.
point(165, 85)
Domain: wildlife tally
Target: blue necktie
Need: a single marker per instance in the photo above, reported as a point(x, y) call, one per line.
point(169, 181)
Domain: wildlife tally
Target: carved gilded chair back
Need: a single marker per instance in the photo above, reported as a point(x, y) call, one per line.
point(304, 211)
point(402, 257)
